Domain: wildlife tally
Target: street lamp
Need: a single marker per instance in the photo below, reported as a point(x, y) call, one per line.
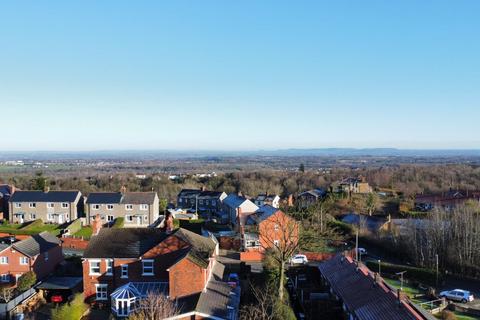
point(379, 267)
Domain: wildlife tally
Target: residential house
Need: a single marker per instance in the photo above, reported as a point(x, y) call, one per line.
point(121, 266)
point(40, 253)
point(236, 208)
point(269, 199)
point(6, 192)
point(201, 200)
point(364, 295)
point(447, 200)
point(352, 185)
point(50, 206)
point(266, 228)
point(137, 208)
point(310, 197)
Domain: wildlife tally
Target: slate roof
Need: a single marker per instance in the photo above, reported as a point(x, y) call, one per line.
point(365, 299)
point(317, 192)
point(118, 197)
point(263, 213)
point(192, 193)
point(62, 283)
point(40, 196)
point(37, 244)
point(4, 191)
point(134, 242)
point(234, 201)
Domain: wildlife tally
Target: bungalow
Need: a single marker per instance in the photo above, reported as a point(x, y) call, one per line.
point(364, 295)
point(50, 206)
point(237, 208)
point(121, 266)
point(40, 253)
point(137, 208)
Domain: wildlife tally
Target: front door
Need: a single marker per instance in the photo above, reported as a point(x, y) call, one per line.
point(60, 218)
point(139, 220)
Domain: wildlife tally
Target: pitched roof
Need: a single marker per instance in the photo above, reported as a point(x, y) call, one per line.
point(263, 213)
point(234, 201)
point(201, 194)
point(317, 192)
point(37, 244)
point(118, 197)
point(40, 196)
point(357, 289)
point(134, 242)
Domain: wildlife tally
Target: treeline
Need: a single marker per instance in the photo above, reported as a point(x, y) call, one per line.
point(405, 180)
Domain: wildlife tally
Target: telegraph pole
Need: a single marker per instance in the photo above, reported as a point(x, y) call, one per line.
point(401, 273)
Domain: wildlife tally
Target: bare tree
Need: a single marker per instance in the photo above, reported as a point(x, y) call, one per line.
point(6, 293)
point(263, 306)
point(155, 307)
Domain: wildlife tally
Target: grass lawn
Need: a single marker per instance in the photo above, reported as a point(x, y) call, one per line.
point(408, 290)
point(30, 229)
point(85, 232)
point(459, 315)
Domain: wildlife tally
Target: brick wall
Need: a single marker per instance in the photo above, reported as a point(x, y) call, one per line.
point(186, 278)
point(229, 243)
point(74, 243)
point(251, 256)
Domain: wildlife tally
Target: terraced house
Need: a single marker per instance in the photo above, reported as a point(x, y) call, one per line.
point(121, 266)
point(137, 208)
point(50, 206)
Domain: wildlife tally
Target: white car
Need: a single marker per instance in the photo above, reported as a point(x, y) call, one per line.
point(299, 259)
point(459, 295)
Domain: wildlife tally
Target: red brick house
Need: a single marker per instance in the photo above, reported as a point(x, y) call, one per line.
point(268, 227)
point(121, 266)
point(39, 253)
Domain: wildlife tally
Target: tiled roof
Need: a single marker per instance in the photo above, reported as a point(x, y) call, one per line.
point(263, 213)
point(37, 244)
point(40, 196)
point(118, 197)
point(201, 194)
point(318, 192)
point(234, 201)
point(363, 297)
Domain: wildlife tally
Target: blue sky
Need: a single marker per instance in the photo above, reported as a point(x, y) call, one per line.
point(239, 75)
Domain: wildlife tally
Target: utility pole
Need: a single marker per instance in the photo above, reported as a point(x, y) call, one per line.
point(436, 282)
point(401, 273)
point(379, 267)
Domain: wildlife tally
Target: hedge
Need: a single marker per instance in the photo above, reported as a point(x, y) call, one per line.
point(33, 224)
point(118, 222)
point(74, 226)
point(427, 276)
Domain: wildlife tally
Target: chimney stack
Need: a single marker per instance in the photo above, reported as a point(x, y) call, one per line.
point(123, 190)
point(46, 188)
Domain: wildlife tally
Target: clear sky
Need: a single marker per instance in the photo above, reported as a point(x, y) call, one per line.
point(239, 75)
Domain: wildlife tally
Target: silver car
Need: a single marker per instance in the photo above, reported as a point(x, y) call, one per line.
point(459, 295)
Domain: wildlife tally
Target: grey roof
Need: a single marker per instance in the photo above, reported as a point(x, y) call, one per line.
point(234, 201)
point(373, 224)
point(356, 288)
point(37, 244)
point(134, 242)
point(62, 283)
point(264, 212)
point(3, 246)
point(4, 190)
point(192, 193)
point(40, 196)
point(118, 197)
point(317, 192)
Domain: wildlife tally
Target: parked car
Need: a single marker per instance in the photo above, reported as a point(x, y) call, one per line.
point(233, 280)
point(459, 295)
point(299, 259)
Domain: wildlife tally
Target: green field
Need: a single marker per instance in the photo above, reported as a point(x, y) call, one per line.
point(85, 232)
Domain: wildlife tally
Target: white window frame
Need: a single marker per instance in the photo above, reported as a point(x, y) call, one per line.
point(109, 206)
point(32, 205)
point(24, 261)
point(103, 293)
point(124, 271)
point(33, 216)
point(109, 264)
point(108, 218)
point(50, 217)
point(95, 207)
point(93, 273)
point(144, 207)
point(3, 260)
point(129, 218)
point(129, 207)
point(50, 205)
point(151, 273)
point(65, 205)
point(18, 205)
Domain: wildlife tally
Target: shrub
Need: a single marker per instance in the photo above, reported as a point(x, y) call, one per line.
point(448, 315)
point(118, 222)
point(341, 227)
point(284, 311)
point(26, 281)
point(72, 310)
